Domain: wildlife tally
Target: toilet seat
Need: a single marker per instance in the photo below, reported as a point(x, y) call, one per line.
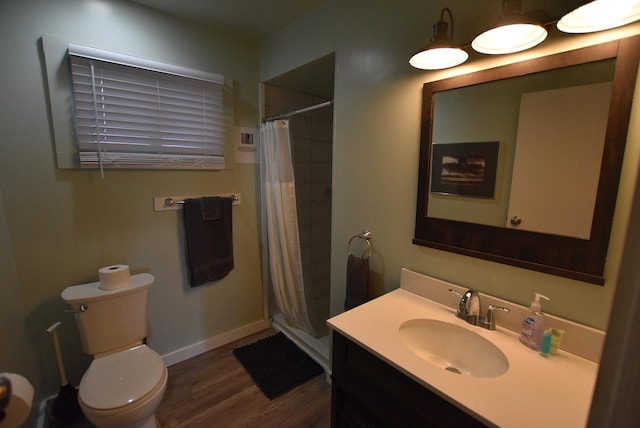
point(122, 379)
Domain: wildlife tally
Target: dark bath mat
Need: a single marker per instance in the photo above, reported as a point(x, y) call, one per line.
point(276, 364)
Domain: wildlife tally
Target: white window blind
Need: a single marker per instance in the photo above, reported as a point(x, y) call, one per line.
point(135, 113)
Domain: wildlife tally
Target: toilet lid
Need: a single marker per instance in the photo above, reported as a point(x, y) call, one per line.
point(119, 379)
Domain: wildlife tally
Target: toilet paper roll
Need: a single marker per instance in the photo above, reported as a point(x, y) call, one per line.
point(20, 402)
point(114, 277)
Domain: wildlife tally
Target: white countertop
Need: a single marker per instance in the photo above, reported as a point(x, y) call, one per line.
point(534, 392)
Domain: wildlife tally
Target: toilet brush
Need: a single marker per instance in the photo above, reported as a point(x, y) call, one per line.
point(65, 405)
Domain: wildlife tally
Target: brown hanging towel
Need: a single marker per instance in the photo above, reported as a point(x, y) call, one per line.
point(209, 235)
point(357, 291)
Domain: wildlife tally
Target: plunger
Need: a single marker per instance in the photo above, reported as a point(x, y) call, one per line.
point(65, 405)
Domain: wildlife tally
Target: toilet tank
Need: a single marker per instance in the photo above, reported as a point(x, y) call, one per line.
point(113, 319)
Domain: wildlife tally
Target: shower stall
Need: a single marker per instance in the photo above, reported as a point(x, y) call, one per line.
point(309, 113)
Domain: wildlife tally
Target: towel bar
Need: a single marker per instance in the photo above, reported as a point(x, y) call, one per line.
point(168, 203)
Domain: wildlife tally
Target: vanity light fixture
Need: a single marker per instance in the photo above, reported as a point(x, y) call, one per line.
point(600, 15)
point(514, 32)
point(441, 52)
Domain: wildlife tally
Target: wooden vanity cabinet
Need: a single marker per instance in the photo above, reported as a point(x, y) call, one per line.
point(367, 392)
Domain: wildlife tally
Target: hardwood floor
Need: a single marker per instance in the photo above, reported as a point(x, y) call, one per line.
point(214, 390)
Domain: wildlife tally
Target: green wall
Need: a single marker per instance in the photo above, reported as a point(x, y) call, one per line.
point(376, 144)
point(58, 227)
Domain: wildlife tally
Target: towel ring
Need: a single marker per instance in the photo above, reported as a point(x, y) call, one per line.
point(366, 235)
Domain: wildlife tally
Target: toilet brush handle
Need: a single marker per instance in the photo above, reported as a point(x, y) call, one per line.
point(56, 344)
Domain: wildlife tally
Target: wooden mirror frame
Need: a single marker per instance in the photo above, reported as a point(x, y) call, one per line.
point(574, 258)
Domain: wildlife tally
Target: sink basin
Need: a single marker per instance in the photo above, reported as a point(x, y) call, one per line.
point(453, 348)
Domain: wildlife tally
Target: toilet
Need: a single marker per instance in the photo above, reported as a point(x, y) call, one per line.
point(126, 379)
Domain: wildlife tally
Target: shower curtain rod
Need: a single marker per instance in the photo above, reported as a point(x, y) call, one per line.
point(302, 110)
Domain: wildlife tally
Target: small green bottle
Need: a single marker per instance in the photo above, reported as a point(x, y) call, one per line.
point(545, 343)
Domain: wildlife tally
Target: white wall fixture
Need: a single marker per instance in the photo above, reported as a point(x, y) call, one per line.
point(246, 145)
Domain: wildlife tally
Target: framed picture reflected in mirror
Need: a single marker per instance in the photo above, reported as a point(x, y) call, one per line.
point(465, 169)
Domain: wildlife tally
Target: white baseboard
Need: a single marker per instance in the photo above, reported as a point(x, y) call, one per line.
point(215, 342)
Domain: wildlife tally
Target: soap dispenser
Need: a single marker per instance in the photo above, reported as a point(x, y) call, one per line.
point(533, 324)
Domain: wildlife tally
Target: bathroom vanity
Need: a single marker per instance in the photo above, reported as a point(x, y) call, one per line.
point(386, 370)
point(366, 391)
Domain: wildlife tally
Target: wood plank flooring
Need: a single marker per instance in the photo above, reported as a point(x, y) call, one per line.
point(214, 390)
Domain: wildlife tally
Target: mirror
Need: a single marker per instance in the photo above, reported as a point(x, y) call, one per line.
point(490, 141)
point(521, 163)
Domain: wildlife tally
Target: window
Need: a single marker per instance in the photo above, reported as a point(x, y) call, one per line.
point(135, 113)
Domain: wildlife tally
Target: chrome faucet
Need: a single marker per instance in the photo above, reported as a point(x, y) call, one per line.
point(469, 310)
point(488, 321)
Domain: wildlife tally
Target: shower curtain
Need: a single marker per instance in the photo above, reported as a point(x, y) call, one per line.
point(281, 222)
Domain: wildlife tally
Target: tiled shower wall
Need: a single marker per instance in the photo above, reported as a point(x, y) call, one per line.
point(312, 143)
